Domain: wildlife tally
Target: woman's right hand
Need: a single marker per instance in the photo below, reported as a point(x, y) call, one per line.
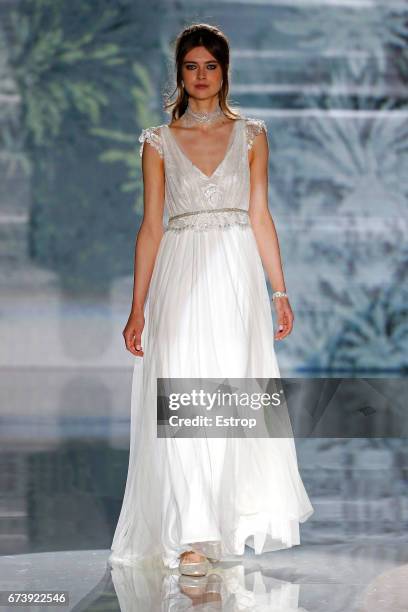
point(133, 333)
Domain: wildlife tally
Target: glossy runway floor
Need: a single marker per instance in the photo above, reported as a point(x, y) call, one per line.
point(362, 575)
point(64, 442)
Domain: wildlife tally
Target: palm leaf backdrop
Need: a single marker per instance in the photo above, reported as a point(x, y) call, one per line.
point(362, 32)
point(74, 65)
point(331, 84)
point(52, 65)
point(123, 145)
point(339, 175)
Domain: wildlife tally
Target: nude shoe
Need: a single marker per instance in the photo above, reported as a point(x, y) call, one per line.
point(194, 568)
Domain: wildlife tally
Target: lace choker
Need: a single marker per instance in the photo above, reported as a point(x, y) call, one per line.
point(191, 117)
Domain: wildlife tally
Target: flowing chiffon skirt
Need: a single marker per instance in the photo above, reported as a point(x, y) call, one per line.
point(207, 314)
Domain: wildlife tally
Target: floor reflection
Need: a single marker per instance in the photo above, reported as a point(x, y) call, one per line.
point(64, 454)
point(224, 588)
point(361, 575)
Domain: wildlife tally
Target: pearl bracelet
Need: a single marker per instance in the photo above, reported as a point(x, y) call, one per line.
point(277, 294)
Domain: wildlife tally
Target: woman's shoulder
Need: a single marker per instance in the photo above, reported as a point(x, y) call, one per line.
point(252, 122)
point(254, 127)
point(153, 136)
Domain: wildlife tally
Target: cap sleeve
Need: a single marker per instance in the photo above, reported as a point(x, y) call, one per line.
point(153, 137)
point(253, 128)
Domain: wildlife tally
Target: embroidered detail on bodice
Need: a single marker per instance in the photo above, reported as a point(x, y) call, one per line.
point(200, 220)
point(153, 137)
point(212, 194)
point(253, 128)
point(195, 200)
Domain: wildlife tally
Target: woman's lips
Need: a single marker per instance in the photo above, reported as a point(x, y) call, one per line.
point(201, 86)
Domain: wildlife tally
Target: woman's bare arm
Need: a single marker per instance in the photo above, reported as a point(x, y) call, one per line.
point(147, 243)
point(151, 229)
point(265, 231)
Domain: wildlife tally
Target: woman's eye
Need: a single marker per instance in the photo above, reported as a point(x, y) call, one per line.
point(210, 66)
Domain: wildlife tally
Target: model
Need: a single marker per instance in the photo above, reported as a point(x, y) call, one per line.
point(201, 309)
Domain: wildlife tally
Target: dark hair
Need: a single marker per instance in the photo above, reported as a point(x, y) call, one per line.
point(216, 42)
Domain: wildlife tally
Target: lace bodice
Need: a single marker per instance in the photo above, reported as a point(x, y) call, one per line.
point(195, 200)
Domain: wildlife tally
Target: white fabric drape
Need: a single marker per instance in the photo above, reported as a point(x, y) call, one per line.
point(207, 314)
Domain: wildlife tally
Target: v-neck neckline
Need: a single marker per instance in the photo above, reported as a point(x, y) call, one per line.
point(229, 147)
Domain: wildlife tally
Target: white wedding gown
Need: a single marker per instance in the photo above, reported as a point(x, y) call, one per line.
point(207, 314)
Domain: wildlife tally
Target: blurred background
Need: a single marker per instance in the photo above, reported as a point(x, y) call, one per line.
point(78, 82)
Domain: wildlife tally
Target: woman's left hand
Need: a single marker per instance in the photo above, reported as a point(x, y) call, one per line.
point(285, 317)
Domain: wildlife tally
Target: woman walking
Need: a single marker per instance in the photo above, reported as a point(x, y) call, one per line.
point(201, 309)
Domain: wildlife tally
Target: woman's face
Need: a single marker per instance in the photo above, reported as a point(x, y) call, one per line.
point(201, 73)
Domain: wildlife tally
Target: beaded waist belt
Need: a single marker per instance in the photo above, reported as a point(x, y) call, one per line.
point(208, 210)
